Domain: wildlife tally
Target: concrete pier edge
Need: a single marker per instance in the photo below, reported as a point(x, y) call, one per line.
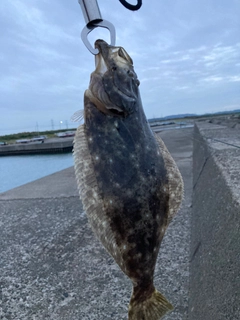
point(215, 230)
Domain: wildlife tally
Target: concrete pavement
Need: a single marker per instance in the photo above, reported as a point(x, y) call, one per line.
point(52, 266)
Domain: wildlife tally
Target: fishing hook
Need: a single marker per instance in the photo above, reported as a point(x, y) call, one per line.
point(131, 6)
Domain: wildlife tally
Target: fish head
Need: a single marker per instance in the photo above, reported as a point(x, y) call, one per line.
point(114, 85)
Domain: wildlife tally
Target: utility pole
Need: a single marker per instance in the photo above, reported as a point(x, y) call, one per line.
point(52, 124)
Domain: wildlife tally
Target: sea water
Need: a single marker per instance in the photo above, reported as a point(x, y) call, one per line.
point(18, 170)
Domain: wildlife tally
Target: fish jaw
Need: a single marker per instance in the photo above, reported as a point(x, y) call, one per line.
point(114, 85)
point(110, 57)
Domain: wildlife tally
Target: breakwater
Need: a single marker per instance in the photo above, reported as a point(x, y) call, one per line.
point(56, 145)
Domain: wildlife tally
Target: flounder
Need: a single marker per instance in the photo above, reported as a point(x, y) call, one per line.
point(128, 182)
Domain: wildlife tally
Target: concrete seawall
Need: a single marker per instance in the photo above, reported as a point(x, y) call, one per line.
point(57, 145)
point(215, 232)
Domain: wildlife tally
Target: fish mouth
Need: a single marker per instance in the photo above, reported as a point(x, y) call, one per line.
point(101, 58)
point(100, 64)
point(107, 54)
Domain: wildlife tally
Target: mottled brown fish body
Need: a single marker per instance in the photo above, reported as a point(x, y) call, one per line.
point(129, 184)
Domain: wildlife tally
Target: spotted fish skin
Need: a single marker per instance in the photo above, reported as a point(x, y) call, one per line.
point(129, 184)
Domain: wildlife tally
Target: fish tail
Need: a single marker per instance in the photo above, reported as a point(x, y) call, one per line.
point(153, 308)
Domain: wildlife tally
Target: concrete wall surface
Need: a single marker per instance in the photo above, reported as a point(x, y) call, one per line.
point(215, 235)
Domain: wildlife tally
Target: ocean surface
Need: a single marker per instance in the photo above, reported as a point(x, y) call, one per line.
point(18, 170)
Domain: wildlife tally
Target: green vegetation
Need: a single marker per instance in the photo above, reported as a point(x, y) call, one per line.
point(11, 138)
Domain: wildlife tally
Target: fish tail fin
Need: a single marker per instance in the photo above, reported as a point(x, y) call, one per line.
point(153, 308)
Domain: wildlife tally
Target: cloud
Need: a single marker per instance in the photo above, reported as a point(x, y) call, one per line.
point(186, 55)
point(213, 79)
point(192, 66)
point(234, 78)
point(33, 23)
point(182, 88)
point(221, 54)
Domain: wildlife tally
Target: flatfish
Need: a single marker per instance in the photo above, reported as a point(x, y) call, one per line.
point(128, 182)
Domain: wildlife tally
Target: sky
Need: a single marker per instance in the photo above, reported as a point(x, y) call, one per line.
point(186, 55)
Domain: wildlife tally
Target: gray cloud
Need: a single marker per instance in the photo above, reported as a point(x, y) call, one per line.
point(186, 55)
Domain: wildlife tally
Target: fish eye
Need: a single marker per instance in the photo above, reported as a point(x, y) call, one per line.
point(130, 73)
